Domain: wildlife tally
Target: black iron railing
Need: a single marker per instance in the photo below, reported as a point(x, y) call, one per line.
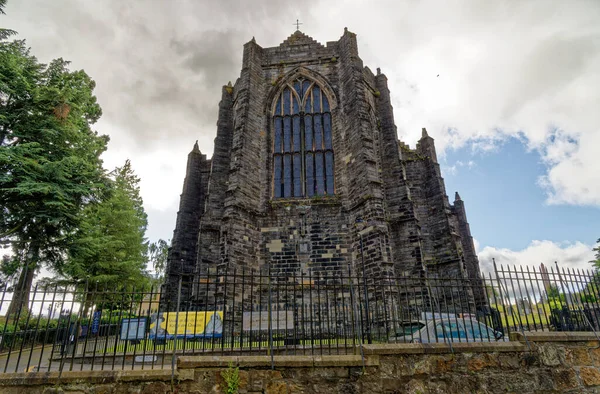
point(240, 311)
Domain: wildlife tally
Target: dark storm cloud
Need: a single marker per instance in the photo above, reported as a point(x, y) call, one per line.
point(211, 54)
point(159, 66)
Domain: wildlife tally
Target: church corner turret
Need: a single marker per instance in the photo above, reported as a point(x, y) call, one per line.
point(426, 146)
point(181, 260)
point(468, 246)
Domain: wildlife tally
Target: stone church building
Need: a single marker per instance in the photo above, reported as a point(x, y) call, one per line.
point(308, 174)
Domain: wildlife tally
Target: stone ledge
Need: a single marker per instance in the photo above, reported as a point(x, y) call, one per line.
point(440, 348)
point(538, 336)
point(97, 377)
point(187, 362)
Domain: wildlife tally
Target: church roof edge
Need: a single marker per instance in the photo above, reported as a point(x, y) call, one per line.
point(299, 38)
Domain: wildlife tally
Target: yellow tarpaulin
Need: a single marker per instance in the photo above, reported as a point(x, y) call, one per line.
point(187, 324)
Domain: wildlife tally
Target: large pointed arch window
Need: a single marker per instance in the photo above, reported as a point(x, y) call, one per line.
point(302, 143)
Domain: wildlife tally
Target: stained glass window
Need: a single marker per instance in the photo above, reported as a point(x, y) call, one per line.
point(303, 164)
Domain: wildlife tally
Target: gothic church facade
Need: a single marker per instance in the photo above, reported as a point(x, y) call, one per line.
point(308, 174)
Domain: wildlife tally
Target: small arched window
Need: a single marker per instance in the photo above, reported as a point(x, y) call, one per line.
point(302, 143)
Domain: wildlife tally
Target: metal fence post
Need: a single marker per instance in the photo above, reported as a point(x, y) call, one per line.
point(270, 328)
point(175, 334)
point(364, 275)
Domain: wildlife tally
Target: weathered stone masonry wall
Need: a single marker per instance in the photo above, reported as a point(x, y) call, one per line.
point(390, 206)
point(552, 363)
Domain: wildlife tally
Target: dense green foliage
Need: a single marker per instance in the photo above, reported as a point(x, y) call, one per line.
point(58, 207)
point(109, 248)
point(50, 166)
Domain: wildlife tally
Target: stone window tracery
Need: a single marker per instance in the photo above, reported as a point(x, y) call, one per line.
point(302, 142)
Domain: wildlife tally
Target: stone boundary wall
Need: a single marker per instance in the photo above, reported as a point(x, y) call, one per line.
point(531, 363)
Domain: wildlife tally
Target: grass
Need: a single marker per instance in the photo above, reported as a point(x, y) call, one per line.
point(536, 319)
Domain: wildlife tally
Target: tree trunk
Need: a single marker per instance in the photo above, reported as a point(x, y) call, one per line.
point(19, 304)
point(87, 304)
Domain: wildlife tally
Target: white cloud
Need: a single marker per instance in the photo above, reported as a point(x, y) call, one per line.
point(573, 255)
point(453, 169)
point(506, 69)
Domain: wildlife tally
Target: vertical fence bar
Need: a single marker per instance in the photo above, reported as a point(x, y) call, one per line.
point(137, 330)
point(6, 319)
point(26, 328)
point(319, 313)
point(425, 305)
point(233, 311)
point(184, 340)
point(47, 333)
point(88, 302)
point(364, 275)
point(251, 322)
point(216, 294)
point(563, 314)
point(383, 315)
point(107, 295)
point(243, 309)
point(311, 311)
point(36, 331)
point(326, 310)
point(119, 327)
point(463, 290)
point(161, 309)
point(127, 342)
point(205, 304)
point(270, 328)
point(65, 348)
point(303, 313)
point(537, 283)
point(16, 318)
point(77, 329)
point(176, 331)
point(523, 310)
point(148, 314)
point(409, 314)
point(529, 293)
point(260, 336)
point(504, 302)
point(225, 307)
point(358, 325)
point(95, 309)
point(338, 302)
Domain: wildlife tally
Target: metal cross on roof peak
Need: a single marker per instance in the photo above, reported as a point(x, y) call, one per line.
point(298, 23)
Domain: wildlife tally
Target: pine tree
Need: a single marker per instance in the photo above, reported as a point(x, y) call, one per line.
point(110, 250)
point(50, 166)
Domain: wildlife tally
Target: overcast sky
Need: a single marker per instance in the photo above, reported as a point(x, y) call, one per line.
point(518, 88)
